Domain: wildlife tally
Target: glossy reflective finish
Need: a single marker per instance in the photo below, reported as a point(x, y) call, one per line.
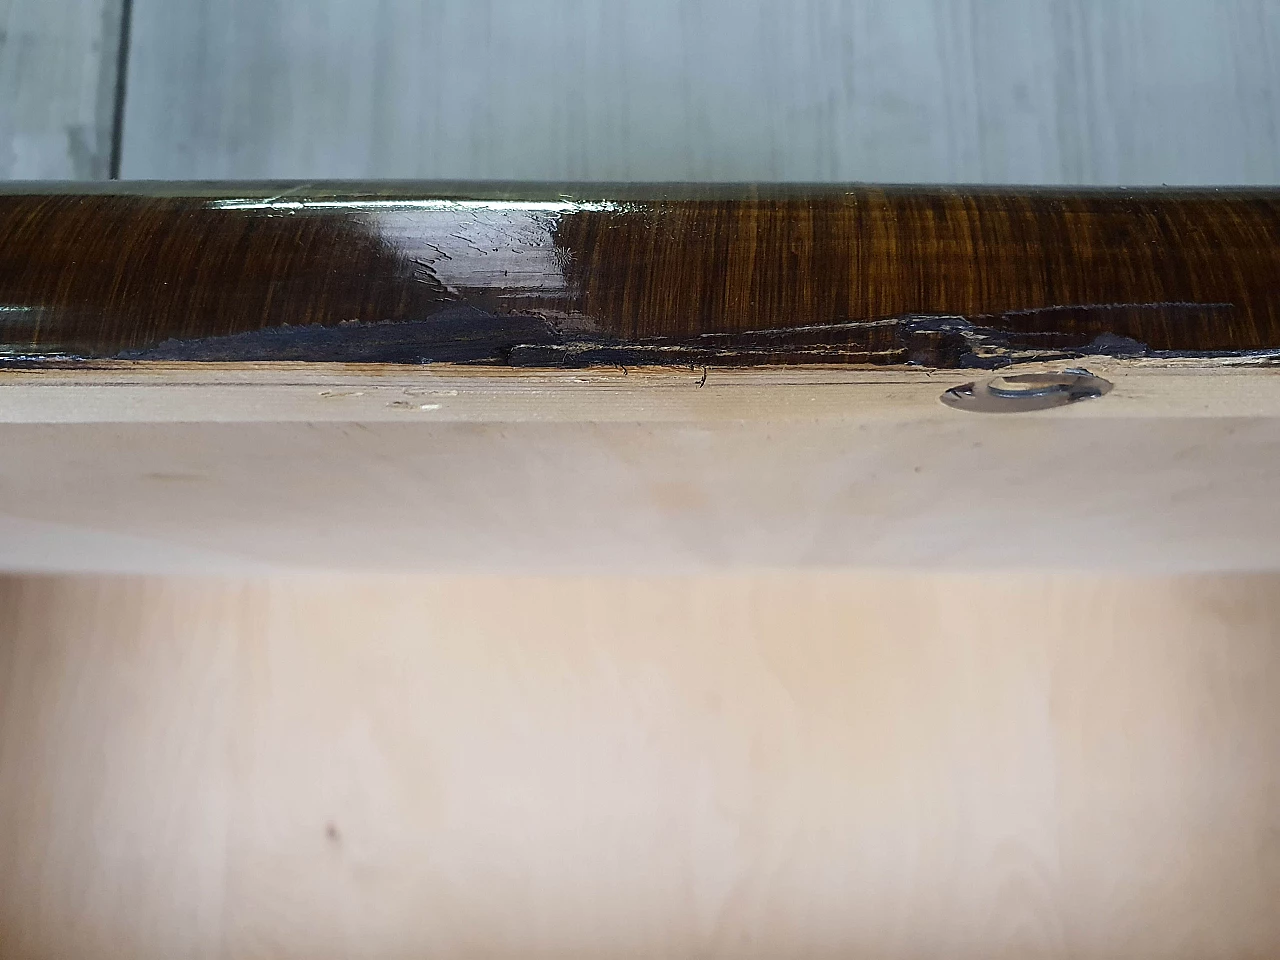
point(549, 275)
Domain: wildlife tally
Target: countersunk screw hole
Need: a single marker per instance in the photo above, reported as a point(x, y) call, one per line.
point(1021, 393)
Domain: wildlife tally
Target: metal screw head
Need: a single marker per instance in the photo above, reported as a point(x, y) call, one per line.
point(1021, 393)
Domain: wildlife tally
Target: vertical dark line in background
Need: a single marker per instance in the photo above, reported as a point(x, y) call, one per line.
point(122, 88)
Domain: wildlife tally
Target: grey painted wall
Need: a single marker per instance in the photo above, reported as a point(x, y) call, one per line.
point(1050, 91)
point(57, 87)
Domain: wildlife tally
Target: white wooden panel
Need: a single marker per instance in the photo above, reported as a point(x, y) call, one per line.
point(58, 61)
point(1104, 91)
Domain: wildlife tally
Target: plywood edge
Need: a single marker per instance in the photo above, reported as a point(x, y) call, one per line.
point(120, 392)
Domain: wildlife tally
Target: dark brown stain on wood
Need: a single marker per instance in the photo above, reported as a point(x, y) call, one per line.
point(714, 275)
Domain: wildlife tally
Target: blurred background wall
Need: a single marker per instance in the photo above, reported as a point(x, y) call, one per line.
point(1049, 91)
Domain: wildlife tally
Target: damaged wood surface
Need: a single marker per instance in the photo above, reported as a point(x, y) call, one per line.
point(533, 275)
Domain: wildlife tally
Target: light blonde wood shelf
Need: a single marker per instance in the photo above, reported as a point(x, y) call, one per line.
point(242, 468)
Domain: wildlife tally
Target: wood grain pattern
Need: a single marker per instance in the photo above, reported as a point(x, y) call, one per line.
point(819, 766)
point(58, 74)
point(1004, 91)
point(534, 275)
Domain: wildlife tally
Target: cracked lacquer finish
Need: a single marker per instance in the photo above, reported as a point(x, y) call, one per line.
point(534, 275)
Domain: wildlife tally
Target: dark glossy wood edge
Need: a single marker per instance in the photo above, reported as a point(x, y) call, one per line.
point(548, 274)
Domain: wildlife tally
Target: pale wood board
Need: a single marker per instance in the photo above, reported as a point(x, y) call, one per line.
point(231, 468)
point(288, 392)
point(1035, 91)
point(58, 74)
point(763, 766)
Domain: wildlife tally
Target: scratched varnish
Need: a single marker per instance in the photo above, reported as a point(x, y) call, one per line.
point(552, 275)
